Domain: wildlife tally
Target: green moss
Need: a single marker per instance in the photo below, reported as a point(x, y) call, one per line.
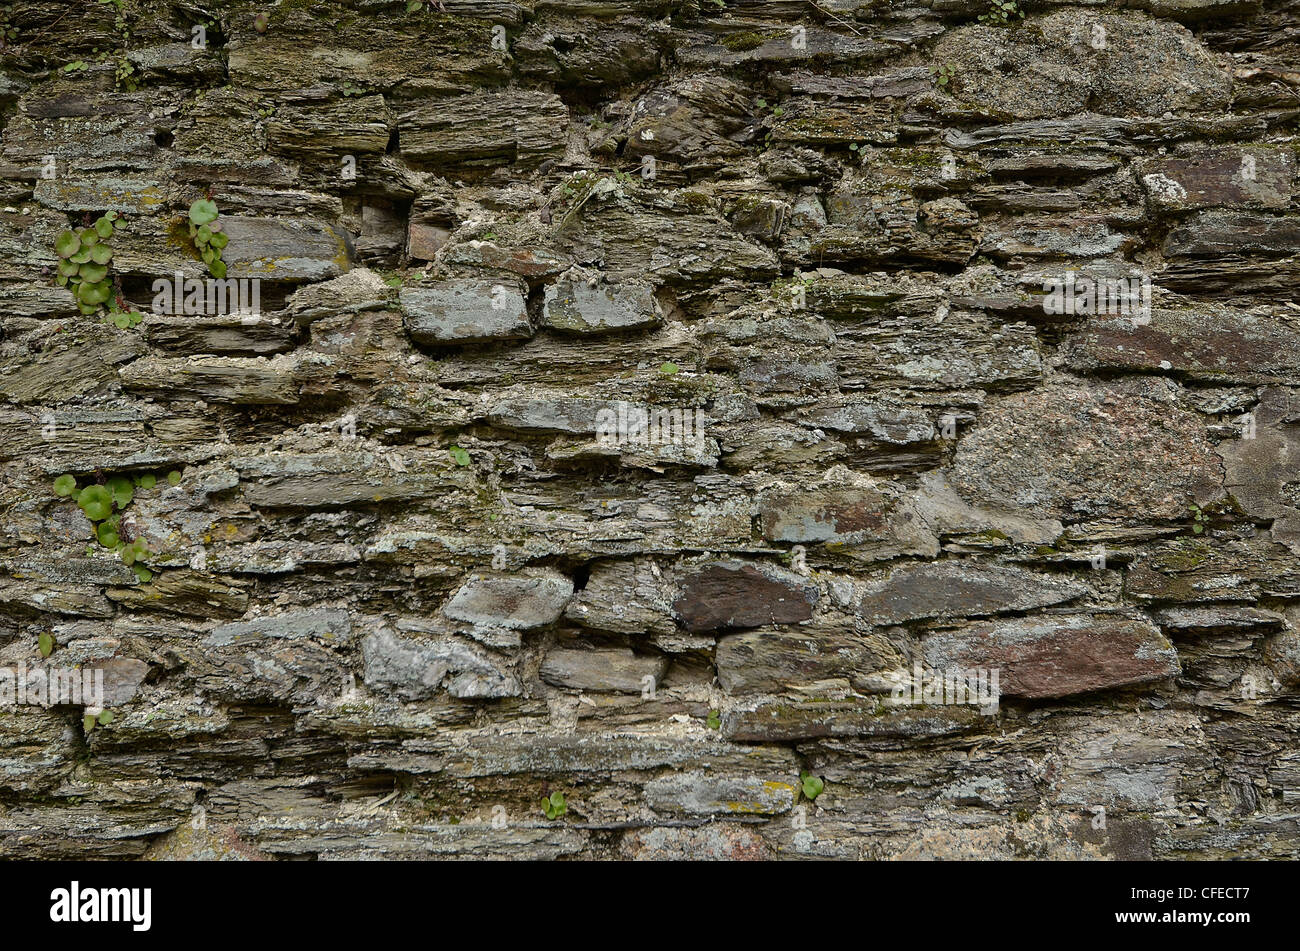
point(740, 42)
point(1188, 556)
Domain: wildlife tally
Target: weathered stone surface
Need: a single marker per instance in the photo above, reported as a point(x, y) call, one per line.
point(465, 312)
point(284, 249)
point(409, 579)
point(519, 602)
point(1058, 655)
point(1229, 177)
point(1214, 233)
point(1074, 452)
point(518, 126)
point(1214, 344)
point(627, 597)
point(706, 794)
point(1259, 466)
point(605, 669)
point(713, 842)
point(576, 305)
point(325, 479)
point(416, 669)
point(876, 521)
point(122, 679)
point(329, 626)
point(1052, 67)
point(775, 662)
point(954, 589)
point(740, 594)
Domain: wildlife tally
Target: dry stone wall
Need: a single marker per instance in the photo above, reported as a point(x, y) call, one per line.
point(640, 406)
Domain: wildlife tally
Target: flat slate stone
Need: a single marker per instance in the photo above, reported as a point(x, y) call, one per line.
point(516, 602)
point(738, 594)
point(612, 669)
point(466, 311)
point(957, 589)
point(1116, 451)
point(580, 306)
point(1058, 655)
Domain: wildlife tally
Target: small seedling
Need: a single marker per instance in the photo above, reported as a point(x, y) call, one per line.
point(1002, 12)
point(459, 456)
point(8, 32)
point(554, 805)
point(669, 369)
point(811, 786)
point(46, 643)
point(714, 721)
point(943, 75)
point(1200, 519)
point(104, 718)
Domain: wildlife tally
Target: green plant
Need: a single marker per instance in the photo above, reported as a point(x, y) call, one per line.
point(811, 786)
point(209, 237)
point(103, 504)
point(459, 456)
point(943, 74)
point(84, 258)
point(714, 721)
point(46, 643)
point(104, 718)
point(554, 805)
point(8, 32)
point(668, 368)
point(1002, 12)
point(125, 76)
point(1200, 518)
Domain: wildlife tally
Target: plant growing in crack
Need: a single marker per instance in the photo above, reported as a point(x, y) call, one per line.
point(8, 32)
point(943, 74)
point(84, 258)
point(1002, 12)
point(810, 786)
point(209, 235)
point(102, 718)
point(104, 503)
point(554, 805)
point(125, 77)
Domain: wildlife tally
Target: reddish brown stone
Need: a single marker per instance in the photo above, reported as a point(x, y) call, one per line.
point(1058, 655)
point(735, 594)
point(425, 241)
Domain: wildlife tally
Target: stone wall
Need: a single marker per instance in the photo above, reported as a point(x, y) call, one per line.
point(419, 566)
